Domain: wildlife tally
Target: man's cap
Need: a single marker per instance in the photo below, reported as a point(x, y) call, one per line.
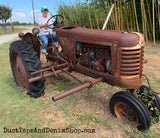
point(44, 8)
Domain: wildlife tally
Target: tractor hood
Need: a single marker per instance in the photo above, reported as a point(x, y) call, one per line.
point(101, 37)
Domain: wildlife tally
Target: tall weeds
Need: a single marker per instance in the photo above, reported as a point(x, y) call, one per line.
point(128, 15)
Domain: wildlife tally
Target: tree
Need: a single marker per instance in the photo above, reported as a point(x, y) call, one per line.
point(5, 14)
point(16, 23)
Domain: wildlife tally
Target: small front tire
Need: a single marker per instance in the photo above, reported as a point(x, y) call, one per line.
point(126, 105)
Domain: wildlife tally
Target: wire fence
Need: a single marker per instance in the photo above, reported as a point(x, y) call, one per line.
point(6, 31)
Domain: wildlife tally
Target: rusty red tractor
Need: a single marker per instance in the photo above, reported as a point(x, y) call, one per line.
point(109, 56)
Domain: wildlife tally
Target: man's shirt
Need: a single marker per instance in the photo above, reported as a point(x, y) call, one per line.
point(43, 20)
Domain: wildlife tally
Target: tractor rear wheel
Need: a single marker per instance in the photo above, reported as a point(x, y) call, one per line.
point(24, 60)
point(126, 105)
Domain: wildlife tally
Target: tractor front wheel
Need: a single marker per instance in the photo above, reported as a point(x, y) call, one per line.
point(126, 105)
point(24, 60)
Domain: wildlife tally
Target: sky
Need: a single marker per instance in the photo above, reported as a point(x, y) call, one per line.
point(22, 9)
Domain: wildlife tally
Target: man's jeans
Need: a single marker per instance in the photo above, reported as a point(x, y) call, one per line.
point(44, 39)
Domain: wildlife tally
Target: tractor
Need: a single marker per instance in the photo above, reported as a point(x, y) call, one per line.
point(109, 56)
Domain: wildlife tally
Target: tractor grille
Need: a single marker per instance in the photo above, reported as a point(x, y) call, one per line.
point(131, 62)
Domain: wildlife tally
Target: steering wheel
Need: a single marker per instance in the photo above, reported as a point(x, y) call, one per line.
point(55, 24)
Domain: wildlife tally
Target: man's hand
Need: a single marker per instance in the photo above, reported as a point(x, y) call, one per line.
point(43, 25)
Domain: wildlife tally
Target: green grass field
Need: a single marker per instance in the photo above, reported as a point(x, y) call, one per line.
point(87, 109)
point(9, 30)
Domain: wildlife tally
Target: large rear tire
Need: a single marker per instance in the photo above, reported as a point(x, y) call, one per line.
point(126, 105)
point(24, 60)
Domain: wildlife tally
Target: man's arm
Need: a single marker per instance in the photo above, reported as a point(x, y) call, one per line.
point(40, 23)
point(43, 25)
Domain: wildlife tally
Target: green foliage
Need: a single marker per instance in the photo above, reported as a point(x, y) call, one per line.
point(124, 12)
point(74, 14)
point(18, 23)
point(147, 97)
point(158, 81)
point(5, 14)
point(78, 15)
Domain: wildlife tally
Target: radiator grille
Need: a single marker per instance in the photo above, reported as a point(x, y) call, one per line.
point(131, 62)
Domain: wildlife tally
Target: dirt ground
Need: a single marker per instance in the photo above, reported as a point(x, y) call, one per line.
point(153, 64)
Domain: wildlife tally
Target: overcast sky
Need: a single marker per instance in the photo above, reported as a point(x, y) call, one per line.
point(22, 9)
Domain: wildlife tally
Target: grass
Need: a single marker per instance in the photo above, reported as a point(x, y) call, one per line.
point(150, 49)
point(154, 83)
point(83, 117)
point(86, 109)
point(9, 30)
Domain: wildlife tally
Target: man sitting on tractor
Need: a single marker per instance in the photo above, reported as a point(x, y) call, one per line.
point(45, 29)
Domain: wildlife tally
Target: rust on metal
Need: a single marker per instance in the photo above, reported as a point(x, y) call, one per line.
point(128, 59)
point(55, 74)
point(19, 70)
point(21, 35)
point(141, 61)
point(115, 56)
point(55, 57)
point(48, 69)
point(123, 110)
point(68, 47)
point(46, 75)
point(127, 82)
point(47, 64)
point(76, 89)
point(121, 59)
point(97, 36)
point(33, 40)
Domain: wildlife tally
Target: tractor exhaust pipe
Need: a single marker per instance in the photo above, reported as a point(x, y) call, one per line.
point(88, 84)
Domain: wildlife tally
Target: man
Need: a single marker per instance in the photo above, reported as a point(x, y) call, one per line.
point(44, 35)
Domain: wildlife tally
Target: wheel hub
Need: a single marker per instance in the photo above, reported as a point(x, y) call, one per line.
point(123, 110)
point(19, 71)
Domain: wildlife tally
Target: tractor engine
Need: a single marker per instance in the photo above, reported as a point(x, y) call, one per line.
point(114, 55)
point(96, 57)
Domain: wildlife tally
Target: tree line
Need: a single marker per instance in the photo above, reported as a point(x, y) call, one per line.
point(16, 23)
